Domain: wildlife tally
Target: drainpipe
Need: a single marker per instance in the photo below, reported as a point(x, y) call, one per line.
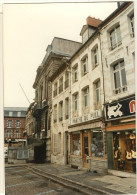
point(103, 85)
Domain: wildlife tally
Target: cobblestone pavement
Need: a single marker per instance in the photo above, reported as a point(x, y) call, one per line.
point(20, 181)
point(107, 183)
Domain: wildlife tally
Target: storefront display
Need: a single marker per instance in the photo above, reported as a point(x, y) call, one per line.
point(124, 148)
point(76, 148)
point(97, 149)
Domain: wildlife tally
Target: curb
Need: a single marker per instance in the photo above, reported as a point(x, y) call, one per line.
point(68, 180)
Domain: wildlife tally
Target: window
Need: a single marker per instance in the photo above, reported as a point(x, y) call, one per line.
point(120, 82)
point(8, 134)
point(67, 108)
point(97, 89)
point(61, 111)
point(115, 38)
point(97, 149)
point(76, 147)
point(9, 124)
point(55, 90)
point(132, 24)
point(17, 134)
point(55, 143)
point(75, 73)
point(10, 113)
point(66, 79)
point(84, 66)
point(86, 97)
point(95, 54)
point(55, 113)
point(18, 123)
point(75, 98)
point(18, 114)
point(61, 85)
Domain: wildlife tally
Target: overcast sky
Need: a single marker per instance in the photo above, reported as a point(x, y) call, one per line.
point(27, 31)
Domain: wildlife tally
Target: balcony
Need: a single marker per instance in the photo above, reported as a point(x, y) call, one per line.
point(44, 103)
point(37, 109)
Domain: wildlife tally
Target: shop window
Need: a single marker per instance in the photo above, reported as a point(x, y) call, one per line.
point(120, 82)
point(76, 147)
point(97, 149)
point(115, 37)
point(124, 149)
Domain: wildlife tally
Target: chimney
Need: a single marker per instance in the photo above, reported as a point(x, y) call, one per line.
point(93, 21)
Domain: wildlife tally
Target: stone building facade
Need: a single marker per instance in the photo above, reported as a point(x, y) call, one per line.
point(56, 52)
point(118, 57)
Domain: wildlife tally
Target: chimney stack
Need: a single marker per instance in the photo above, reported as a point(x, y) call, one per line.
point(93, 21)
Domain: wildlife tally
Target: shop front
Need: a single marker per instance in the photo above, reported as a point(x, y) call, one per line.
point(121, 136)
point(87, 146)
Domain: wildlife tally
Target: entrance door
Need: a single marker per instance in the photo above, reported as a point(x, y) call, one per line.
point(85, 150)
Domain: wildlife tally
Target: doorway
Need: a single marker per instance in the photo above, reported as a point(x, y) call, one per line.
point(85, 150)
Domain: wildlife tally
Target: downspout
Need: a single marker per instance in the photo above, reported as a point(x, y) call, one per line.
point(104, 97)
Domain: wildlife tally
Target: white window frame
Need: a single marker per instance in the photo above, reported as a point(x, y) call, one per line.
point(95, 56)
point(17, 134)
point(121, 88)
point(116, 34)
point(84, 63)
point(86, 97)
point(61, 111)
point(67, 108)
point(75, 101)
point(18, 123)
point(9, 123)
point(75, 73)
point(55, 113)
point(97, 91)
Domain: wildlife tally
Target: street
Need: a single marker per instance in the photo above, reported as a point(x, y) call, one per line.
point(19, 180)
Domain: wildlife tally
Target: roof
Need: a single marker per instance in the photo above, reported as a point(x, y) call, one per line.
point(108, 19)
point(15, 111)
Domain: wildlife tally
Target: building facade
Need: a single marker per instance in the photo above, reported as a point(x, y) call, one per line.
point(118, 54)
point(57, 53)
point(14, 125)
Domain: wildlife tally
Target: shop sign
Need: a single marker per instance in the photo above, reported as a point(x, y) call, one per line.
point(121, 109)
point(93, 115)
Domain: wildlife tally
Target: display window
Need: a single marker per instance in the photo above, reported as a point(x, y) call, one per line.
point(76, 146)
point(124, 148)
point(97, 149)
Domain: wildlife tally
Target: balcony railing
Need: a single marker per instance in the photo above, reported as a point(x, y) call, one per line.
point(44, 103)
point(37, 108)
point(120, 90)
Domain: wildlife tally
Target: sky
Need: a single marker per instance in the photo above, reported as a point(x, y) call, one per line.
point(27, 31)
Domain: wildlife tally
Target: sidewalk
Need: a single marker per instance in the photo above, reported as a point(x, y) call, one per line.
point(110, 183)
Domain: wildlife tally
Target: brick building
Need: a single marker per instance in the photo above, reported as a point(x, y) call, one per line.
point(14, 124)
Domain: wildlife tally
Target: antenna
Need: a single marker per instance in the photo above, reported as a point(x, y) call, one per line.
point(24, 93)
